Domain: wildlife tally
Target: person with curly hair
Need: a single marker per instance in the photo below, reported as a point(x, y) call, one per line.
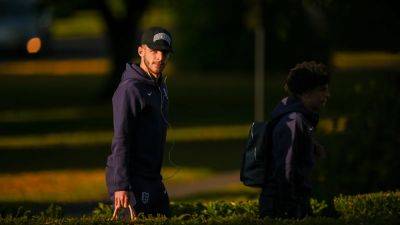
point(287, 189)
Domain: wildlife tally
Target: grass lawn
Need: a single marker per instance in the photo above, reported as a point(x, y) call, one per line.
point(55, 134)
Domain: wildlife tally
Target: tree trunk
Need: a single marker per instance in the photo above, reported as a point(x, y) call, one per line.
point(122, 35)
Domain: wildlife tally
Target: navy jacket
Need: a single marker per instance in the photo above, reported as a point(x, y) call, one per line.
point(293, 148)
point(140, 106)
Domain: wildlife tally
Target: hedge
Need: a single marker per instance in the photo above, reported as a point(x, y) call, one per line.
point(367, 209)
point(229, 220)
point(213, 209)
point(379, 205)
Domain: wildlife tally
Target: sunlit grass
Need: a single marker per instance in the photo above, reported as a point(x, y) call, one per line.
point(104, 137)
point(101, 66)
point(65, 186)
point(59, 67)
point(329, 126)
point(231, 192)
point(82, 24)
point(75, 185)
point(181, 134)
point(89, 24)
point(158, 16)
point(366, 60)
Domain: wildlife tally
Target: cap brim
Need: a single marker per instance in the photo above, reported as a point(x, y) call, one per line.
point(160, 47)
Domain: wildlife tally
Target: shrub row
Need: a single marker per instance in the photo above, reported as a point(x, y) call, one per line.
point(375, 208)
point(228, 220)
point(212, 209)
point(372, 206)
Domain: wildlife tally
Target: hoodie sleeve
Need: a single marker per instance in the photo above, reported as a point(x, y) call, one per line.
point(285, 149)
point(126, 105)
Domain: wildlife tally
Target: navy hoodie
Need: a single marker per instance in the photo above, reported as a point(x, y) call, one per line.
point(293, 148)
point(140, 106)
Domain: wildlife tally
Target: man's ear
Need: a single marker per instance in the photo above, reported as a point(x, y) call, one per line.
point(140, 51)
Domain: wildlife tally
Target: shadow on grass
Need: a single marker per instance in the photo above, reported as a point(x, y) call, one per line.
point(56, 126)
point(68, 209)
point(214, 155)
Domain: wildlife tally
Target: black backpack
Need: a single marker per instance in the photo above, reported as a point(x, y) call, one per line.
point(257, 155)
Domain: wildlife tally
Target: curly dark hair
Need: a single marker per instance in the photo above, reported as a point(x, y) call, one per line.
point(306, 76)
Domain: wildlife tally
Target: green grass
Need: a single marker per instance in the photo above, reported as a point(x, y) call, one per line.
point(373, 208)
point(82, 138)
point(82, 24)
point(76, 185)
point(58, 124)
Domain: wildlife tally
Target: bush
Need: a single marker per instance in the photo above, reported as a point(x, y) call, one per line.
point(231, 220)
point(364, 158)
point(382, 205)
point(216, 209)
point(212, 209)
point(368, 209)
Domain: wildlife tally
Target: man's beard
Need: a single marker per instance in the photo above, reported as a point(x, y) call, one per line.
point(155, 73)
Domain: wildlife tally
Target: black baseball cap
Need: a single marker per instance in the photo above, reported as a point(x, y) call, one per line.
point(157, 38)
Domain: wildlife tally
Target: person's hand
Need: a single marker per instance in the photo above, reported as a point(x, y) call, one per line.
point(121, 201)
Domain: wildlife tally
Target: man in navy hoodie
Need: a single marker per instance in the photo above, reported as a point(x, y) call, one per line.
point(286, 193)
point(140, 105)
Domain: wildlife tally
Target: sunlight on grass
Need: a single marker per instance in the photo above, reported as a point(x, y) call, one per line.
point(329, 126)
point(185, 134)
point(104, 137)
point(158, 16)
point(66, 186)
point(231, 192)
point(74, 185)
point(83, 24)
point(59, 67)
point(174, 175)
point(89, 23)
point(366, 60)
point(63, 67)
point(101, 66)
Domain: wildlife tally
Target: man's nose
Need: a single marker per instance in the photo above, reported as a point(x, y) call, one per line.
point(160, 55)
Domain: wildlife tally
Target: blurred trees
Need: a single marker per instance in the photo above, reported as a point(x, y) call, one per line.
point(365, 158)
point(364, 24)
point(218, 35)
point(296, 31)
point(121, 19)
point(212, 35)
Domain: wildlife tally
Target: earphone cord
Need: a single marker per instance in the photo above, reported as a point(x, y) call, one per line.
point(177, 167)
point(171, 162)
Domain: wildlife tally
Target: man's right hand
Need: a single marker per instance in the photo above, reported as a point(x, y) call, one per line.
point(121, 200)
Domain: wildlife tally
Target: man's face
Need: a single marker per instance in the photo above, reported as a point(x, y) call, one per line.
point(153, 61)
point(316, 98)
